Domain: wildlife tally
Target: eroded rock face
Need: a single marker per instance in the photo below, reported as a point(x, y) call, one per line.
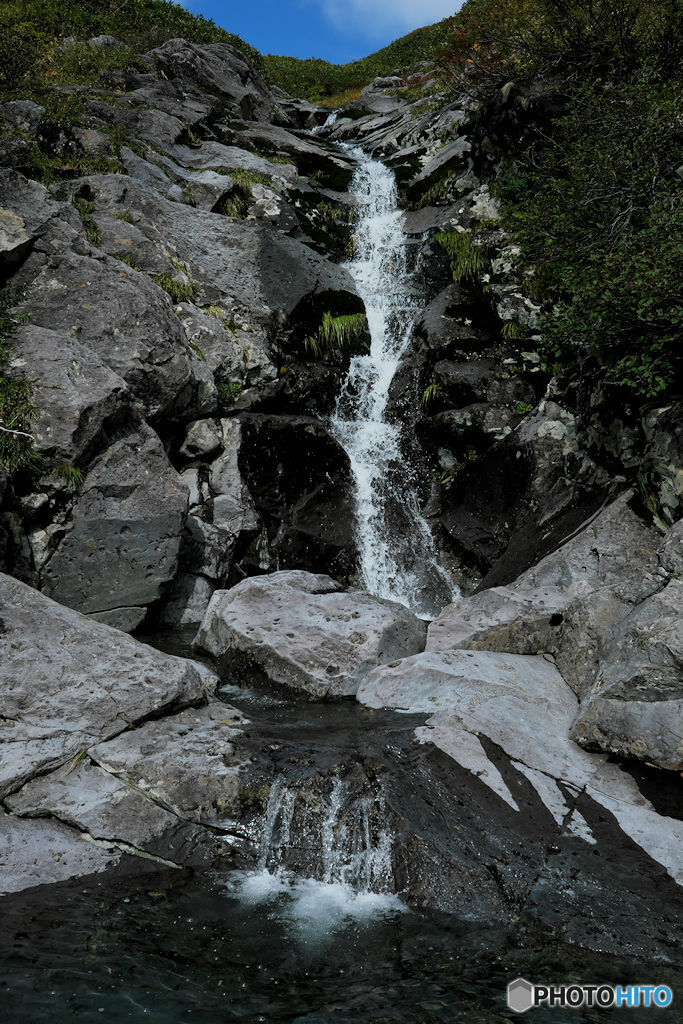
point(603, 606)
point(75, 392)
point(220, 70)
point(124, 318)
point(124, 539)
point(303, 632)
point(505, 719)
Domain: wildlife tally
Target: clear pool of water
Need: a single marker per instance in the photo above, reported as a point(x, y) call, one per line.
point(170, 949)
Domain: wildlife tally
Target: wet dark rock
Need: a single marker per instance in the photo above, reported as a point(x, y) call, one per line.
point(298, 478)
point(505, 719)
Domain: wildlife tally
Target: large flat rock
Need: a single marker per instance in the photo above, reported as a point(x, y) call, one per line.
point(68, 682)
point(302, 631)
point(37, 852)
point(523, 706)
point(147, 793)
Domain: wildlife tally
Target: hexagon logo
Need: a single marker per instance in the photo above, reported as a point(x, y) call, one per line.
point(520, 995)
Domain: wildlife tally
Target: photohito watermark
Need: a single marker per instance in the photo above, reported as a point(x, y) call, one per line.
point(523, 996)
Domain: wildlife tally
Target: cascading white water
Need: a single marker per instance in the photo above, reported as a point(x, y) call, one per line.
point(396, 548)
point(337, 835)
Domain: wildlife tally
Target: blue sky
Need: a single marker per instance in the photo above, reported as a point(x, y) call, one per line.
point(338, 30)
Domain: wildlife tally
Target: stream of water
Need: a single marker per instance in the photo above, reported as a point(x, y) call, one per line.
point(397, 556)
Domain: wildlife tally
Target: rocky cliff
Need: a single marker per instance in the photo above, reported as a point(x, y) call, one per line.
point(165, 291)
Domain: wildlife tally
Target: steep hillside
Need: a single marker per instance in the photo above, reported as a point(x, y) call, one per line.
point(335, 84)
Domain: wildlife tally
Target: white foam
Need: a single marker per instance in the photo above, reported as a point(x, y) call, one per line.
point(397, 557)
point(311, 910)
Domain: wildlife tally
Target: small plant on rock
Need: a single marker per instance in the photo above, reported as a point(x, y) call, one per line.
point(429, 394)
point(335, 333)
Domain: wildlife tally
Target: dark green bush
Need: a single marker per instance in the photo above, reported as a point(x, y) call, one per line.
point(595, 205)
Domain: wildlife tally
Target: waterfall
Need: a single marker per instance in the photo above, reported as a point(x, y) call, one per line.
point(397, 557)
point(340, 839)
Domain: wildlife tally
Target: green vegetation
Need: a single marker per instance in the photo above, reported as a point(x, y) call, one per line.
point(130, 261)
point(85, 209)
point(492, 43)
point(179, 291)
point(335, 333)
point(16, 409)
point(596, 210)
point(319, 80)
point(228, 393)
point(429, 394)
point(71, 475)
point(237, 203)
point(512, 331)
point(592, 197)
point(522, 408)
point(33, 57)
point(469, 258)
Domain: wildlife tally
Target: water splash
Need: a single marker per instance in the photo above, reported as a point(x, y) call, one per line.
point(322, 862)
point(397, 557)
point(339, 838)
point(329, 122)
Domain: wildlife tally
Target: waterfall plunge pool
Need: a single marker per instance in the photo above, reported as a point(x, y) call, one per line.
point(271, 945)
point(174, 950)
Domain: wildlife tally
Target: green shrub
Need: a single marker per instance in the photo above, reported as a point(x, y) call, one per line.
point(71, 475)
point(596, 211)
point(228, 393)
point(17, 411)
point(179, 291)
point(85, 209)
point(468, 258)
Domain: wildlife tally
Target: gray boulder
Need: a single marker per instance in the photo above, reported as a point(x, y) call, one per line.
point(635, 708)
point(234, 355)
point(126, 320)
point(14, 238)
point(568, 604)
point(302, 631)
point(202, 438)
point(68, 682)
point(595, 605)
point(73, 391)
point(35, 221)
point(233, 508)
point(220, 70)
point(124, 536)
point(187, 600)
